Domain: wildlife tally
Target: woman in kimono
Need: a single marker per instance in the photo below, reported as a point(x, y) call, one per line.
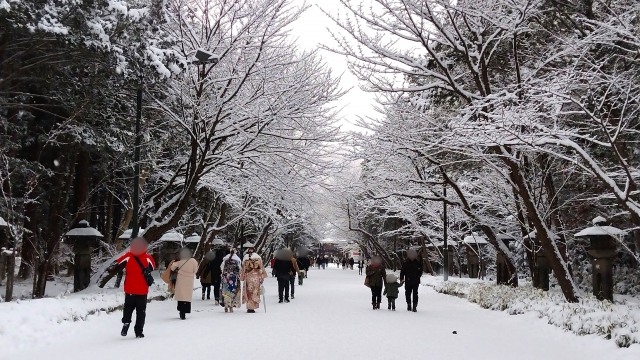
point(253, 274)
point(230, 290)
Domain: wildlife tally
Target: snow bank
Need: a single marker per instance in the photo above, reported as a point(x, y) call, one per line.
point(33, 321)
point(619, 322)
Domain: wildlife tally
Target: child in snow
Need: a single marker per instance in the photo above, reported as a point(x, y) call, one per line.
point(391, 286)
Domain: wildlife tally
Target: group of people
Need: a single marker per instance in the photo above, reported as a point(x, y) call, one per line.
point(235, 281)
point(410, 274)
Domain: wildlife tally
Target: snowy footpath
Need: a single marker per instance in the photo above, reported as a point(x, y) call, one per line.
point(330, 318)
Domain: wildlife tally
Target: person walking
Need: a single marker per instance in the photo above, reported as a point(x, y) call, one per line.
point(391, 286)
point(230, 289)
point(410, 274)
point(273, 272)
point(283, 266)
point(253, 274)
point(360, 266)
point(292, 277)
point(205, 275)
point(376, 275)
point(186, 268)
point(304, 263)
point(216, 273)
point(351, 263)
point(136, 287)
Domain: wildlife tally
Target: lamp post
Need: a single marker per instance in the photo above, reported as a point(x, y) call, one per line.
point(445, 234)
point(202, 57)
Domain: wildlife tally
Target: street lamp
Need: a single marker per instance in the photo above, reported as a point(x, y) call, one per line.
point(445, 234)
point(202, 57)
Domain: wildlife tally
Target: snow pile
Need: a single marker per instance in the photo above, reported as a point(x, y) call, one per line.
point(619, 322)
point(31, 321)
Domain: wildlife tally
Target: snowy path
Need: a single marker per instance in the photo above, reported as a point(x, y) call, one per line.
point(330, 318)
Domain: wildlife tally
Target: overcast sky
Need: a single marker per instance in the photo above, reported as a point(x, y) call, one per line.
point(311, 31)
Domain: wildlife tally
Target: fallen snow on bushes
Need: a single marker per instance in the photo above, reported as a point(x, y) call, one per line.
point(619, 321)
point(33, 321)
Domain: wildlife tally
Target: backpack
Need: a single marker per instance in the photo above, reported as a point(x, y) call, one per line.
point(146, 272)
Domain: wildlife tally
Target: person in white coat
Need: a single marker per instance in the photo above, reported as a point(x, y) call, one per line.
point(186, 267)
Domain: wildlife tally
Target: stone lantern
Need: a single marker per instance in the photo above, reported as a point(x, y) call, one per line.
point(246, 246)
point(602, 250)
point(474, 245)
point(3, 246)
point(543, 268)
point(502, 270)
point(192, 241)
point(83, 238)
point(451, 246)
point(217, 243)
point(3, 233)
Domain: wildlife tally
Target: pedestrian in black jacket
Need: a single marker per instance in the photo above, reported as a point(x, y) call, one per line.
point(411, 273)
point(284, 269)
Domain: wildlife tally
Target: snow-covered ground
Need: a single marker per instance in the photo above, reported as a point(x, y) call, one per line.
point(331, 317)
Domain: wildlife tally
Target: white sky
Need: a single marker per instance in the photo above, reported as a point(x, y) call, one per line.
point(311, 31)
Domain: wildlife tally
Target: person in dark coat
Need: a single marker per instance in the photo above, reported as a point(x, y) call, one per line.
point(304, 263)
point(216, 273)
point(351, 263)
point(360, 266)
point(376, 275)
point(410, 274)
point(284, 269)
point(204, 274)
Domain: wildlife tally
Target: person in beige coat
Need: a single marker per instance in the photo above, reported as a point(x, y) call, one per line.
point(187, 267)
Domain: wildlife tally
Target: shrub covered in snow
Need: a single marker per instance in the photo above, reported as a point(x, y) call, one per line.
point(619, 322)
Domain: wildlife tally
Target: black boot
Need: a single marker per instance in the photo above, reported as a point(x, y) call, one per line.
point(139, 336)
point(183, 316)
point(125, 329)
point(203, 296)
point(389, 307)
point(374, 305)
point(409, 307)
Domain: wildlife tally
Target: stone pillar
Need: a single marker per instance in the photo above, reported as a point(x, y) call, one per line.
point(473, 261)
point(602, 269)
point(502, 273)
point(82, 268)
point(602, 251)
point(543, 269)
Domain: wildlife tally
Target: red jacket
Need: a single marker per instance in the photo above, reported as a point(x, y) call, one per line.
point(134, 283)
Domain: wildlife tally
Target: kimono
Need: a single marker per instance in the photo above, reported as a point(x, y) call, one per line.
point(253, 273)
point(230, 287)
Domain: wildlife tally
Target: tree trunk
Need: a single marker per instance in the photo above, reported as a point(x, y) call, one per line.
point(81, 186)
point(543, 235)
point(108, 227)
point(29, 240)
